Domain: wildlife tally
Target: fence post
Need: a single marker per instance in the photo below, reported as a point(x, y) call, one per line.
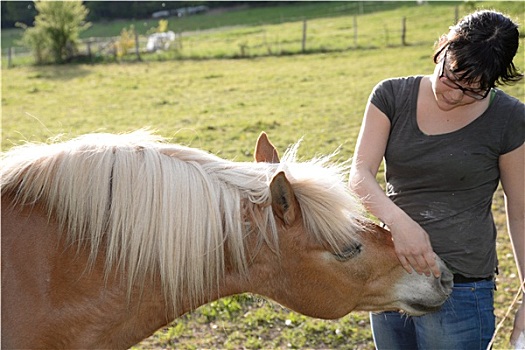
point(304, 37)
point(137, 49)
point(178, 39)
point(243, 46)
point(88, 44)
point(115, 52)
point(404, 31)
point(9, 57)
point(355, 31)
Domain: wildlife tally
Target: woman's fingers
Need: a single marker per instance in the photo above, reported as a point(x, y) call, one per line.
point(405, 263)
point(431, 260)
point(421, 263)
point(413, 248)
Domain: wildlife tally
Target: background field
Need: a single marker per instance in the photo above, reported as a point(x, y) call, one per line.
point(221, 105)
point(234, 16)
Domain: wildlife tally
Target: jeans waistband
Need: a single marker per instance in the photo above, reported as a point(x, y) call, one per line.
point(459, 278)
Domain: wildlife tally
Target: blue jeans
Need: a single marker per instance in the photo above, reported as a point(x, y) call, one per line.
point(466, 321)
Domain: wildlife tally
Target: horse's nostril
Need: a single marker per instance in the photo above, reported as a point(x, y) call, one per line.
point(447, 281)
point(447, 276)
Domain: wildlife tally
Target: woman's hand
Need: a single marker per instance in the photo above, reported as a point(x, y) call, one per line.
point(519, 325)
point(412, 246)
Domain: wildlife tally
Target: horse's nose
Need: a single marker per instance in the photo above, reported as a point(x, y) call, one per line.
point(446, 280)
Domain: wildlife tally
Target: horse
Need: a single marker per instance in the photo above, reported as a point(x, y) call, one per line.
point(107, 238)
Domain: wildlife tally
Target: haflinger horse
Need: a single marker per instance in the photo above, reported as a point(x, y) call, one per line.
point(106, 238)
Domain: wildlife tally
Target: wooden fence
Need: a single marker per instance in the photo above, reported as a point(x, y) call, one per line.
point(206, 44)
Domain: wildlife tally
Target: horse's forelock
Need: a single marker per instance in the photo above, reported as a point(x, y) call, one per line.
point(331, 212)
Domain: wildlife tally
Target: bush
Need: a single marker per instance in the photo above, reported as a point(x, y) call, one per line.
point(126, 41)
point(56, 30)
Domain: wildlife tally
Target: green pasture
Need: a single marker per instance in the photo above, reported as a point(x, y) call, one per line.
point(221, 105)
point(325, 27)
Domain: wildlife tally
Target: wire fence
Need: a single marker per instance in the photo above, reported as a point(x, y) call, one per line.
point(287, 38)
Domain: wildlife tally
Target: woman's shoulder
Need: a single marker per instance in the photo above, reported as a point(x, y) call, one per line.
point(407, 80)
point(506, 100)
point(394, 96)
point(507, 117)
point(507, 106)
point(399, 84)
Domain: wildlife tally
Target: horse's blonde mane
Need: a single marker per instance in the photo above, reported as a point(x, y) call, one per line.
point(168, 209)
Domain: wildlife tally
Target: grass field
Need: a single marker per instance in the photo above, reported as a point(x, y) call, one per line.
point(221, 105)
point(329, 27)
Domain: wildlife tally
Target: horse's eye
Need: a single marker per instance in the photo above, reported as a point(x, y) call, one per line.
point(348, 253)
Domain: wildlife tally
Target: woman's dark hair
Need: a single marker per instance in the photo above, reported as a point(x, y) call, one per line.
point(480, 49)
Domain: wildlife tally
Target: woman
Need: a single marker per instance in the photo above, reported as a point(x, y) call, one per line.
point(447, 140)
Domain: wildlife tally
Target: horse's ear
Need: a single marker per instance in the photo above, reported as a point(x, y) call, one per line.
point(284, 204)
point(265, 151)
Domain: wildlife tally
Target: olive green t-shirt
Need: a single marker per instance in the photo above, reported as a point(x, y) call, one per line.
point(446, 182)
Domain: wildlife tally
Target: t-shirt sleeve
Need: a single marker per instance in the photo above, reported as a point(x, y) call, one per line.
point(382, 97)
point(514, 132)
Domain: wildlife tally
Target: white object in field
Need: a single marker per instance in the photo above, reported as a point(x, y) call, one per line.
point(520, 343)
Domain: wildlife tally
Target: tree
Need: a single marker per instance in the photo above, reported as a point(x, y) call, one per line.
point(56, 30)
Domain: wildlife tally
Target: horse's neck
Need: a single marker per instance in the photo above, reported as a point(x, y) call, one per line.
point(65, 300)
